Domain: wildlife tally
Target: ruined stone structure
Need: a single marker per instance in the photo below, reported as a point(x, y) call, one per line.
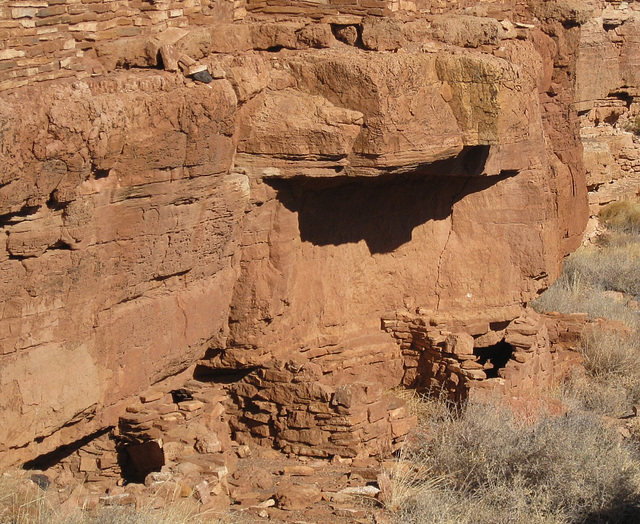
point(365, 195)
point(46, 40)
point(524, 357)
point(607, 99)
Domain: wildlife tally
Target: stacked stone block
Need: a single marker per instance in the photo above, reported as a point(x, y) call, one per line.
point(95, 462)
point(612, 149)
point(328, 402)
point(169, 426)
point(327, 7)
point(161, 427)
point(49, 39)
point(353, 7)
point(516, 358)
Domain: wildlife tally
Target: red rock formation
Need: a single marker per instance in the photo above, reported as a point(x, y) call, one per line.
point(607, 97)
point(278, 212)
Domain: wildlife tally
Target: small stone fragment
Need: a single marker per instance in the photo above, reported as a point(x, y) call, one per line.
point(243, 451)
point(202, 492)
point(202, 76)
point(209, 443)
point(190, 405)
point(302, 471)
point(291, 496)
point(369, 491)
point(347, 34)
point(150, 396)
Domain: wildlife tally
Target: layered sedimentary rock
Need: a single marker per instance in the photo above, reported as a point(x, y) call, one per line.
point(119, 234)
point(607, 91)
point(336, 170)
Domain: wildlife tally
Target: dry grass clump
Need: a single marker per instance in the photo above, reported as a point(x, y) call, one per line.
point(599, 395)
point(633, 126)
point(608, 267)
point(174, 513)
point(23, 502)
point(621, 216)
point(433, 405)
point(611, 384)
point(491, 468)
point(610, 353)
point(575, 294)
point(612, 265)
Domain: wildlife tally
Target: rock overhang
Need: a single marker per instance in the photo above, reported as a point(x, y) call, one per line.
point(298, 196)
point(401, 112)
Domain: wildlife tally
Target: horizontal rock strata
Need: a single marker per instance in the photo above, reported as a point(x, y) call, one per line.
point(334, 166)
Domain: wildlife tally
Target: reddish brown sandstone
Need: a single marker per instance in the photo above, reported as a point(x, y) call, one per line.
point(337, 169)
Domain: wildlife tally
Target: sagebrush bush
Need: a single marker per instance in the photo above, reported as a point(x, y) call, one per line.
point(497, 469)
point(609, 352)
point(601, 395)
point(621, 216)
point(611, 382)
point(573, 293)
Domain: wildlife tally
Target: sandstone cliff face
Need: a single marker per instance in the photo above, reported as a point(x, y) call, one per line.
point(120, 223)
point(316, 185)
point(607, 94)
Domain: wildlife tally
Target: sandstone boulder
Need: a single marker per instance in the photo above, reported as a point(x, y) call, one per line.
point(467, 31)
point(381, 34)
point(294, 497)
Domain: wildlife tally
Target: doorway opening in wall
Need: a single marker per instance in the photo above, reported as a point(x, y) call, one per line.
point(494, 357)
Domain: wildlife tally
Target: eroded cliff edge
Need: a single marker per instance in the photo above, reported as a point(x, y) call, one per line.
point(428, 164)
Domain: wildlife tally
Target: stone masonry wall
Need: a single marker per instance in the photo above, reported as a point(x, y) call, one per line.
point(329, 400)
point(44, 40)
point(524, 357)
point(607, 92)
point(325, 7)
point(48, 39)
point(174, 436)
point(353, 7)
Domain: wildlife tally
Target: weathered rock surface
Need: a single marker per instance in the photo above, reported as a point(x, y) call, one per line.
point(272, 217)
point(607, 96)
point(122, 222)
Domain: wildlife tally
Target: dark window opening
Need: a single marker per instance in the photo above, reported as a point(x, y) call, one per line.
point(494, 358)
point(101, 173)
point(138, 460)
point(180, 395)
